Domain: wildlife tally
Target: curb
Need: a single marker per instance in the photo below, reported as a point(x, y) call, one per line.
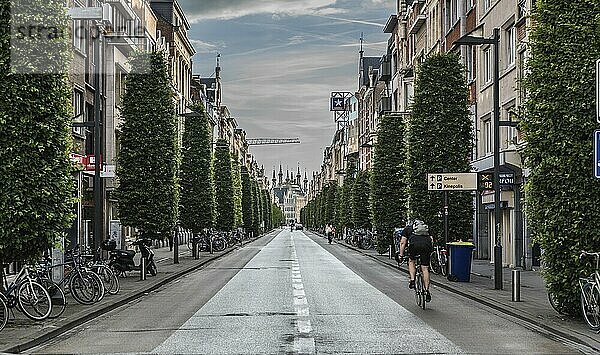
point(110, 307)
point(541, 328)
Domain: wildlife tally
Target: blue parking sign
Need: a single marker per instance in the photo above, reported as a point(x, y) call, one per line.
point(597, 154)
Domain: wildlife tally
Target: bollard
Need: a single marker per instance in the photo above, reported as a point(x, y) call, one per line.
point(142, 269)
point(176, 247)
point(516, 285)
point(390, 252)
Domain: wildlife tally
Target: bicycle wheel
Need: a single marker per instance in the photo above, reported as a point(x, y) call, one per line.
point(109, 279)
point(57, 297)
point(590, 305)
point(3, 313)
point(554, 302)
point(99, 285)
point(444, 263)
point(435, 263)
point(219, 244)
point(83, 289)
point(419, 290)
point(33, 300)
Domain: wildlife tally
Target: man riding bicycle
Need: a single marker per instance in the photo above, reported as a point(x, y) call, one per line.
point(420, 243)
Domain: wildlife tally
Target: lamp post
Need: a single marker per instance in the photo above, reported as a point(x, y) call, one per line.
point(470, 40)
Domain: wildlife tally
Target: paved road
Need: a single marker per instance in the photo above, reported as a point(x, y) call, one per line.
point(296, 294)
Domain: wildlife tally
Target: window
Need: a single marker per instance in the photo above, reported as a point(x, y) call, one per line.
point(486, 5)
point(451, 13)
point(470, 63)
point(487, 136)
point(78, 110)
point(510, 35)
point(487, 65)
point(522, 9)
point(408, 95)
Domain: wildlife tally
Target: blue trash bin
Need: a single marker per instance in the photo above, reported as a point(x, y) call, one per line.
point(459, 261)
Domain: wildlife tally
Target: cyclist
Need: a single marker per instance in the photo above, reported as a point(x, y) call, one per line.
point(419, 243)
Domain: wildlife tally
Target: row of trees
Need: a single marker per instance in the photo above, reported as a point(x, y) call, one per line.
point(407, 149)
point(156, 188)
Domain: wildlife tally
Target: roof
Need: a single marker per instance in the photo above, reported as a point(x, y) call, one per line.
point(368, 62)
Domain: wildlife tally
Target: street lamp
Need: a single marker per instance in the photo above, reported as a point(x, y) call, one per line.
point(470, 40)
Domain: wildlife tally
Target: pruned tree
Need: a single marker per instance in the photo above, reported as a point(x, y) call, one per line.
point(197, 202)
point(147, 165)
point(36, 201)
point(440, 105)
point(561, 193)
point(388, 189)
point(224, 191)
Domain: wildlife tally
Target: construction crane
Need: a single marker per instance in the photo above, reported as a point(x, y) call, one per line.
point(271, 141)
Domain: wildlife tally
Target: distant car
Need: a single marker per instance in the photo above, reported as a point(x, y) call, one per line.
point(299, 227)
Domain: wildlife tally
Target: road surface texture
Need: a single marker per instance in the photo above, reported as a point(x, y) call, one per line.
point(297, 294)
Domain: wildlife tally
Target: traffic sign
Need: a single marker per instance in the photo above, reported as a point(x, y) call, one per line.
point(597, 154)
point(452, 182)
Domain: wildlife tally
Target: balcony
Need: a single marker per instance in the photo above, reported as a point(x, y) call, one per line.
point(124, 7)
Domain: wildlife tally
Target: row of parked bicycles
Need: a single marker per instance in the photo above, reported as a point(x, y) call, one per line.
point(214, 241)
point(38, 295)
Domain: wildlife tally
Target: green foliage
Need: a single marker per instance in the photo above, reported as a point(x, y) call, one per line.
point(225, 220)
point(346, 208)
point(330, 205)
point(247, 210)
point(197, 202)
point(148, 190)
point(361, 211)
point(440, 105)
point(237, 194)
point(265, 209)
point(256, 208)
point(561, 195)
point(388, 187)
point(277, 214)
point(36, 201)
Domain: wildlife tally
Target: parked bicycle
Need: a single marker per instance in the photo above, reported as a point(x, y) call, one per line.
point(25, 294)
point(57, 295)
point(85, 286)
point(590, 294)
point(439, 260)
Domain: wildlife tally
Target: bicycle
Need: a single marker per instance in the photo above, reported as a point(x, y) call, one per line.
point(26, 295)
point(3, 312)
point(439, 261)
point(419, 283)
point(80, 282)
point(590, 294)
point(57, 295)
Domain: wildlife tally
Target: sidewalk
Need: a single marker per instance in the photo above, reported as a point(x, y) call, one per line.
point(21, 334)
point(534, 307)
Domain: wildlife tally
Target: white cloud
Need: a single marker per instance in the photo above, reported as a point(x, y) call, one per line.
point(206, 47)
point(219, 9)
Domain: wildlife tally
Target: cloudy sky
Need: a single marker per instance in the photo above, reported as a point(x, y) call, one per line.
point(280, 61)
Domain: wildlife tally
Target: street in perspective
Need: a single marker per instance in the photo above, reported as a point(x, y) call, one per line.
point(299, 177)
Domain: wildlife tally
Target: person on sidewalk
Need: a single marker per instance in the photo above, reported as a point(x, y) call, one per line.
point(419, 243)
point(328, 233)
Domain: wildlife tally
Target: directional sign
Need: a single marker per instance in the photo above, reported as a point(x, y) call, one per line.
point(597, 154)
point(452, 182)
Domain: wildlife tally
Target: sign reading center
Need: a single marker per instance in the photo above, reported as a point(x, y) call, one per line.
point(452, 182)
